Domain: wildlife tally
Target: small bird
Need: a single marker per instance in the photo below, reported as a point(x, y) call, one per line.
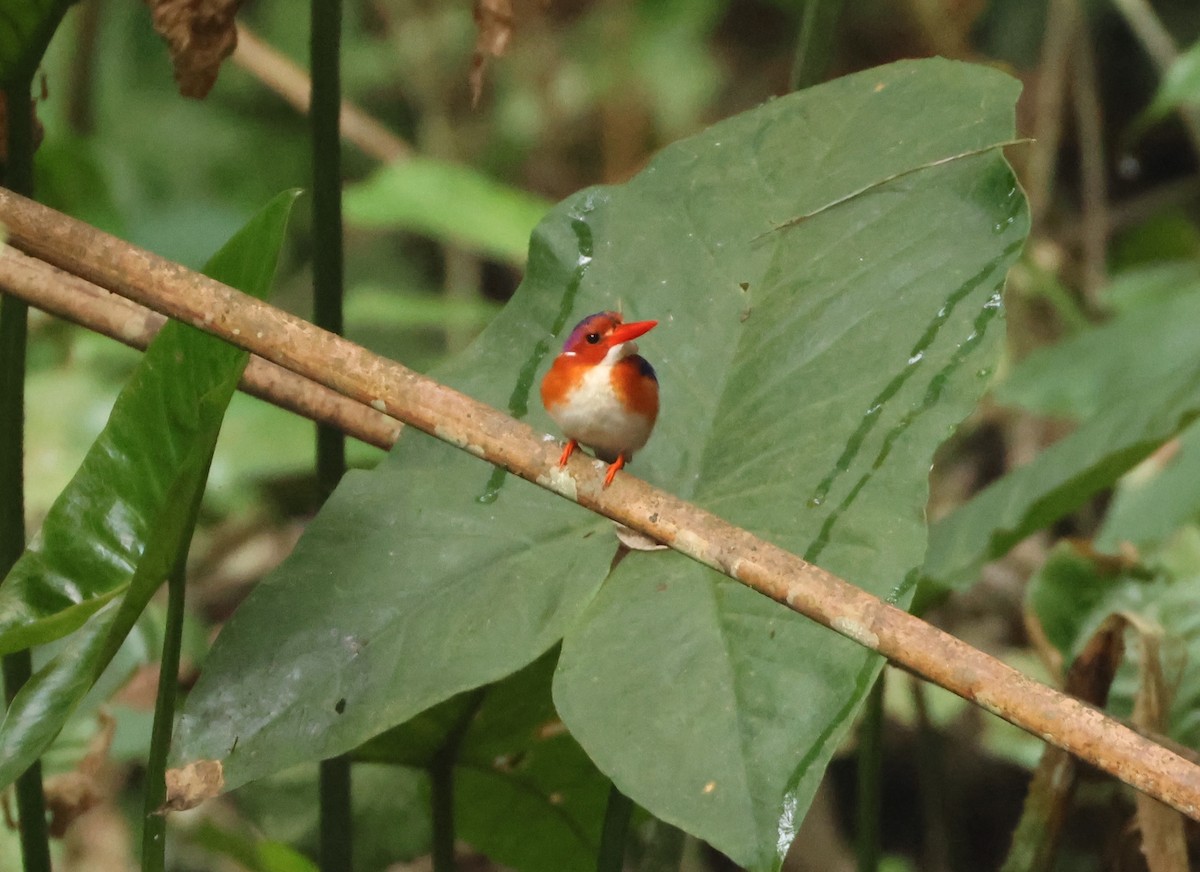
point(600, 392)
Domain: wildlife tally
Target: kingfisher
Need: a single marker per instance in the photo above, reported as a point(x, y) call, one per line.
point(600, 392)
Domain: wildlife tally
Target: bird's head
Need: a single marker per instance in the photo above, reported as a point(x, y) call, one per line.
point(598, 336)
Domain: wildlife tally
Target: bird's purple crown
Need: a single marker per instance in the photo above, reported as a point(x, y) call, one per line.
point(586, 326)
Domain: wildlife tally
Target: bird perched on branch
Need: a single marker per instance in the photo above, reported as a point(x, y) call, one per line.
point(600, 393)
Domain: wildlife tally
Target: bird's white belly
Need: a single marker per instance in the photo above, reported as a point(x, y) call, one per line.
point(594, 416)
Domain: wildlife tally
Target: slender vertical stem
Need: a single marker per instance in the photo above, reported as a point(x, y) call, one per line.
point(81, 75)
point(931, 780)
point(336, 837)
point(1062, 24)
point(615, 834)
point(870, 780)
point(327, 208)
point(661, 848)
point(325, 47)
point(441, 783)
point(154, 823)
point(17, 667)
point(1093, 167)
point(441, 800)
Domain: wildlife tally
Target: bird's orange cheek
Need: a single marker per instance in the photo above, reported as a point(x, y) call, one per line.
point(558, 383)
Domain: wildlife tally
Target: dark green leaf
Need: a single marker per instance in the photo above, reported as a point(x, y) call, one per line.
point(92, 538)
point(132, 506)
point(43, 705)
point(808, 373)
point(391, 813)
point(525, 793)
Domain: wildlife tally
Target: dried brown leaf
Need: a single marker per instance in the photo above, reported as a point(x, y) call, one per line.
point(72, 794)
point(1090, 676)
point(200, 34)
point(1164, 842)
point(191, 785)
point(1092, 672)
point(494, 20)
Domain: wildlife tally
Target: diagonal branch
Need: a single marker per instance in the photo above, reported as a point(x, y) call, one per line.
point(487, 433)
point(291, 81)
point(81, 302)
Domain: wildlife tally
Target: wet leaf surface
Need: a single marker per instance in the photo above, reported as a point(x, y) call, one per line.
point(807, 374)
point(1129, 403)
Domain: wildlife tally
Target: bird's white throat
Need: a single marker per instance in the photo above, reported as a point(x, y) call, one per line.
point(615, 354)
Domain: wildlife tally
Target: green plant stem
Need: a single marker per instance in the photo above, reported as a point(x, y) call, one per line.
point(17, 667)
point(325, 46)
point(661, 848)
point(328, 259)
point(441, 784)
point(615, 834)
point(154, 823)
point(441, 800)
point(869, 806)
point(335, 815)
point(931, 780)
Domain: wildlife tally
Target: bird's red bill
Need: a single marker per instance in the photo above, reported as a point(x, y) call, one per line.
point(625, 332)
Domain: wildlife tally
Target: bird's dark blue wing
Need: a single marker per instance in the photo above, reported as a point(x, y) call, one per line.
point(644, 366)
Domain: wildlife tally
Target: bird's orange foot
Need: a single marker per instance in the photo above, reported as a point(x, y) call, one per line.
point(612, 469)
point(567, 452)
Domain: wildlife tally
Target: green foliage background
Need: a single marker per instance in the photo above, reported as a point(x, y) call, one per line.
point(589, 93)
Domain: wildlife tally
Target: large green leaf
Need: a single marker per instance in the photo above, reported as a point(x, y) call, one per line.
point(525, 793)
point(25, 28)
point(127, 515)
point(807, 372)
point(449, 202)
point(1137, 381)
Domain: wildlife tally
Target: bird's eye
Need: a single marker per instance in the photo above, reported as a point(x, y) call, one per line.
point(593, 338)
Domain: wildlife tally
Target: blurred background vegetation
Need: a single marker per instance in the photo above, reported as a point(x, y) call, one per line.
point(585, 93)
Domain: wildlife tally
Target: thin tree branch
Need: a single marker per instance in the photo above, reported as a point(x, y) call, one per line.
point(1062, 23)
point(1093, 172)
point(291, 82)
point(81, 302)
point(492, 435)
